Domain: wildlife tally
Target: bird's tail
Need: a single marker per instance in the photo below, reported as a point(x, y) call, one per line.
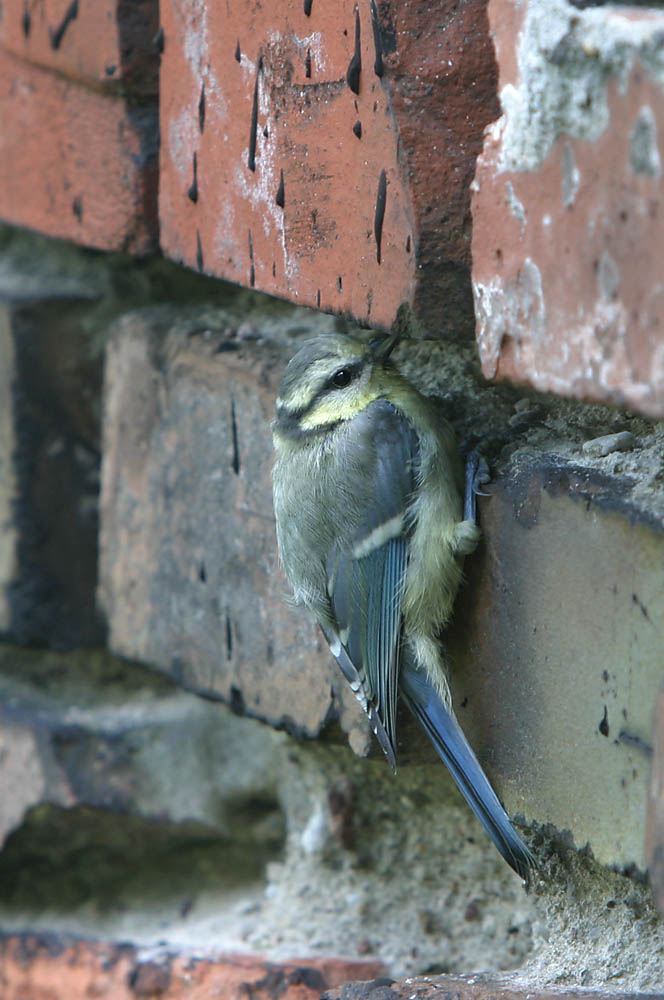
point(452, 746)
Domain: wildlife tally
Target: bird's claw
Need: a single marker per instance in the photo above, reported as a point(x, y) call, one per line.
point(477, 475)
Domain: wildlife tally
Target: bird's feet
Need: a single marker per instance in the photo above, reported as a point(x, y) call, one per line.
point(477, 475)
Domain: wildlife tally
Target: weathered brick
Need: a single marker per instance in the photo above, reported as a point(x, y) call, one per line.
point(288, 167)
point(108, 42)
point(568, 219)
point(76, 163)
point(41, 966)
point(189, 576)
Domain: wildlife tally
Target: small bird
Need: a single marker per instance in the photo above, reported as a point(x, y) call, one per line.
point(372, 530)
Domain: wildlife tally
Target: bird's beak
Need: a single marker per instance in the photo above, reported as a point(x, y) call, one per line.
point(381, 349)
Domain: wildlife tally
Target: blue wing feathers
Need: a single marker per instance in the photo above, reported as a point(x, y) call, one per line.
point(365, 591)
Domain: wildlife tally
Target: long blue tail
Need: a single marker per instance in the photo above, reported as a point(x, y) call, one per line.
point(452, 746)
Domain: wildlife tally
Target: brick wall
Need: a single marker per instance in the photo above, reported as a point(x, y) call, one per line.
point(487, 177)
point(327, 156)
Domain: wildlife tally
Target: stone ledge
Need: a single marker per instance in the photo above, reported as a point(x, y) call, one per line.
point(481, 987)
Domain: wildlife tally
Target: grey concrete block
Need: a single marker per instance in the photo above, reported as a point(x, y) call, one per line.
point(558, 647)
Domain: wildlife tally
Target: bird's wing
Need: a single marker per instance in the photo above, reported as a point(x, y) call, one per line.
point(366, 570)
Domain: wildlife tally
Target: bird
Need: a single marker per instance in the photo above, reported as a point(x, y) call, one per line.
point(374, 516)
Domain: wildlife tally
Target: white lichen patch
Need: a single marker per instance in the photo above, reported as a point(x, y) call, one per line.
point(194, 33)
point(608, 277)
point(570, 176)
point(506, 308)
point(645, 152)
point(566, 58)
point(515, 206)
point(183, 134)
point(315, 45)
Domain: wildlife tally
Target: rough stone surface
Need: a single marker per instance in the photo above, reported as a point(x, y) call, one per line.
point(568, 213)
point(655, 823)
point(404, 869)
point(469, 988)
point(112, 776)
point(303, 153)
point(86, 730)
point(76, 163)
point(125, 776)
point(34, 967)
point(108, 42)
point(274, 848)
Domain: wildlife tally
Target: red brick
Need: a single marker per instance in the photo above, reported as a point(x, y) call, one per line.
point(108, 41)
point(75, 164)
point(442, 81)
point(49, 968)
point(421, 125)
point(567, 251)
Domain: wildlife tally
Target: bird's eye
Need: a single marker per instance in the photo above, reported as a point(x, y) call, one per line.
point(342, 378)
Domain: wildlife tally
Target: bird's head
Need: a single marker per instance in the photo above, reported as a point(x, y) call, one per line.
point(330, 379)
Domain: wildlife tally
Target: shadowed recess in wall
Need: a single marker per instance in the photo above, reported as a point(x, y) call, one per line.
point(62, 859)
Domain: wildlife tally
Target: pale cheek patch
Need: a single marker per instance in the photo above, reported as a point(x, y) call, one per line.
point(335, 406)
point(379, 536)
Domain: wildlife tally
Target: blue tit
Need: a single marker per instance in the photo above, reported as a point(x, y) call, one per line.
point(372, 530)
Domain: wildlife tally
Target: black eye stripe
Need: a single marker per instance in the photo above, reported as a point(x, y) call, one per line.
point(352, 370)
